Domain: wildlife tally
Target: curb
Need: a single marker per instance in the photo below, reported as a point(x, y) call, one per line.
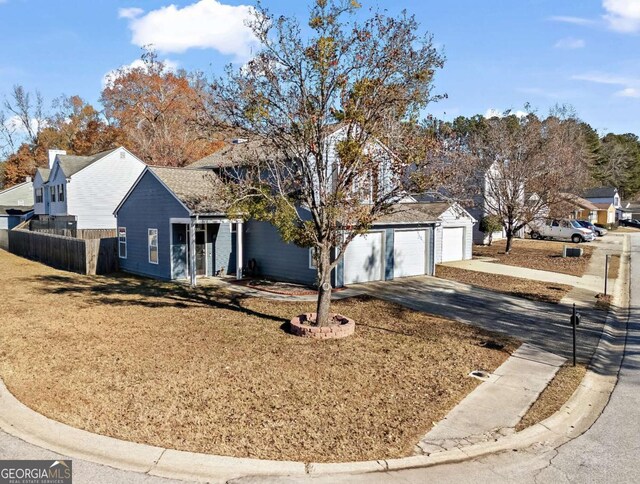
point(576, 416)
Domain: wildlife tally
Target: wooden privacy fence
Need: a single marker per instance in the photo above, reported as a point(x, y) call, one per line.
point(92, 256)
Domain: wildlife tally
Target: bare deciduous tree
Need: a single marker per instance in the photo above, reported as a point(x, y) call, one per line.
point(519, 169)
point(335, 117)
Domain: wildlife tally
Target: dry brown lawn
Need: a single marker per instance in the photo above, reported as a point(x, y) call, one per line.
point(627, 230)
point(207, 371)
point(554, 396)
point(514, 286)
point(545, 255)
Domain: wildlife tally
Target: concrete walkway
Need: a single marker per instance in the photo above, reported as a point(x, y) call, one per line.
point(585, 286)
point(479, 265)
point(496, 406)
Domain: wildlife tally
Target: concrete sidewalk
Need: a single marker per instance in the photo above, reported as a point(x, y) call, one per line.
point(496, 406)
point(514, 271)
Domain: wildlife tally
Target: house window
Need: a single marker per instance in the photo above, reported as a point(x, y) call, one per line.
point(61, 193)
point(233, 227)
point(52, 192)
point(38, 195)
point(122, 242)
point(153, 246)
point(312, 258)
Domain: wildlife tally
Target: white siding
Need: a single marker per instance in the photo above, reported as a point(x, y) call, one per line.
point(95, 192)
point(17, 196)
point(455, 217)
point(4, 222)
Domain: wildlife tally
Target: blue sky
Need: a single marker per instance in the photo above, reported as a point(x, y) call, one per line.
point(500, 53)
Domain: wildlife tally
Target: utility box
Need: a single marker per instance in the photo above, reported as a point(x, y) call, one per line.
point(572, 251)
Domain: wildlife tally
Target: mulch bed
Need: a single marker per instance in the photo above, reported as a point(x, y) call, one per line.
point(544, 255)
point(514, 286)
point(208, 370)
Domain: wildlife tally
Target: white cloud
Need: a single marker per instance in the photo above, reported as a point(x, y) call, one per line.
point(206, 24)
point(630, 85)
point(131, 12)
point(495, 113)
point(629, 92)
point(112, 75)
point(622, 15)
point(570, 43)
point(15, 124)
point(571, 20)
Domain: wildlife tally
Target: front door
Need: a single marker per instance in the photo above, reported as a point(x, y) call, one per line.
point(201, 252)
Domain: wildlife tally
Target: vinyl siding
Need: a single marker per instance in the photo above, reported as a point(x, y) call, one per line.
point(275, 258)
point(40, 208)
point(19, 195)
point(95, 192)
point(58, 178)
point(449, 219)
point(149, 205)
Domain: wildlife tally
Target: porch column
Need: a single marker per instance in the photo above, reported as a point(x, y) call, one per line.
point(239, 250)
point(192, 252)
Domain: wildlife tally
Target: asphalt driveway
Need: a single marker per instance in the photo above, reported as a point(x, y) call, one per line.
point(541, 324)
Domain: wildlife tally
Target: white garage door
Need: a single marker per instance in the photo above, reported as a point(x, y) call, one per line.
point(409, 253)
point(363, 259)
point(452, 244)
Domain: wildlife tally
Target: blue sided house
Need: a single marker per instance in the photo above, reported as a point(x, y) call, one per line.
point(172, 226)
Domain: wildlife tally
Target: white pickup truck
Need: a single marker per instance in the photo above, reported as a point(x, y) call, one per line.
point(563, 229)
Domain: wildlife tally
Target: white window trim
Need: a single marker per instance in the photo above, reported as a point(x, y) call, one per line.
point(126, 247)
point(149, 246)
point(312, 263)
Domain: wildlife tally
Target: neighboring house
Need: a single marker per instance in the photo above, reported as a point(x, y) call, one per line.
point(485, 202)
point(608, 195)
point(16, 206)
point(85, 189)
point(172, 226)
point(634, 209)
point(606, 213)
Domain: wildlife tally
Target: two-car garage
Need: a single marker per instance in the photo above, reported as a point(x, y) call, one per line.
point(409, 242)
point(365, 260)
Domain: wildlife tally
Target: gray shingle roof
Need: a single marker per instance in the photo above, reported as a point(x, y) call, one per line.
point(44, 173)
point(600, 192)
point(199, 190)
point(72, 164)
point(413, 213)
point(236, 154)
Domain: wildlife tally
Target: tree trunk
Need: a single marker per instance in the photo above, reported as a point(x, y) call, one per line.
point(507, 250)
point(324, 287)
point(490, 238)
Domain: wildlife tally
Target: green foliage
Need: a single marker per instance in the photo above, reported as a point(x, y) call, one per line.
point(490, 224)
point(617, 163)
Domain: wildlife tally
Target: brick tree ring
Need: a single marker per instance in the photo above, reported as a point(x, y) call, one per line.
point(304, 326)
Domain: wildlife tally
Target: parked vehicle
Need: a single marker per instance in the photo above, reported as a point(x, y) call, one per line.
point(562, 230)
point(599, 231)
point(630, 223)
